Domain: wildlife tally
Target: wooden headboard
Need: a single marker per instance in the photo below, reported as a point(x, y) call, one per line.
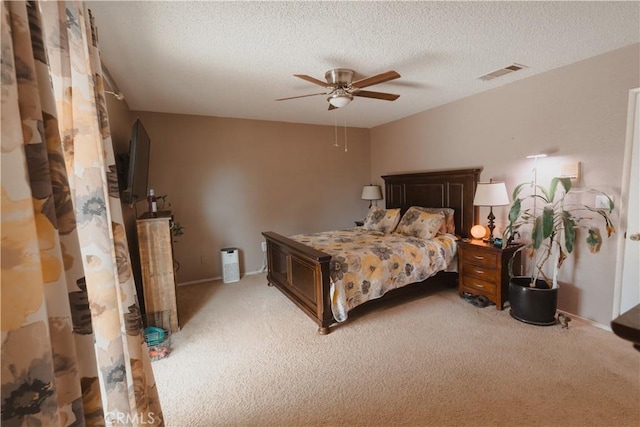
point(447, 188)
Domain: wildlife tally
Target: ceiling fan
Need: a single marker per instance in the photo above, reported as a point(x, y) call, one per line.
point(341, 87)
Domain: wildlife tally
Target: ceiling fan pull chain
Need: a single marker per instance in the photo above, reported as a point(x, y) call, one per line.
point(335, 126)
point(345, 133)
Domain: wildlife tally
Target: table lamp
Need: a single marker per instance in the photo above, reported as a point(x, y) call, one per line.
point(491, 194)
point(371, 193)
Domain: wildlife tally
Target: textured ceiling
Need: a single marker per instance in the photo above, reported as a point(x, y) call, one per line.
point(233, 59)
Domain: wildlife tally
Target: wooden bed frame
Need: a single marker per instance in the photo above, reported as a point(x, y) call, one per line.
point(302, 273)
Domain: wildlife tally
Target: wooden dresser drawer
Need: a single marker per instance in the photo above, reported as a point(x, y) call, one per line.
point(473, 284)
point(479, 257)
point(489, 274)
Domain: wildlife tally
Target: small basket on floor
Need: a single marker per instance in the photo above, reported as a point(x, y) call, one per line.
point(157, 334)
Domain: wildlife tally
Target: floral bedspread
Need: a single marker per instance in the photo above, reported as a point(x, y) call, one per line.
point(367, 264)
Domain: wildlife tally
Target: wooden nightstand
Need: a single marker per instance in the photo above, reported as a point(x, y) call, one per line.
point(483, 270)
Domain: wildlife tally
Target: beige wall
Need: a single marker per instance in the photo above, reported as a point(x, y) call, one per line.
point(228, 180)
point(577, 113)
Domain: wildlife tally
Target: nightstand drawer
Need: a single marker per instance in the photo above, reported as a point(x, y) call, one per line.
point(474, 284)
point(479, 257)
point(490, 274)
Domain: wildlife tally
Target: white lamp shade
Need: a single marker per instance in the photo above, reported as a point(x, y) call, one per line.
point(339, 100)
point(371, 192)
point(491, 194)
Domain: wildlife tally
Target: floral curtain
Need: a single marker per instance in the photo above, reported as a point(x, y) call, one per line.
point(73, 351)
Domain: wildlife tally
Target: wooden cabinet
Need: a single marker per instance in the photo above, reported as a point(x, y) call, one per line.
point(156, 260)
point(483, 270)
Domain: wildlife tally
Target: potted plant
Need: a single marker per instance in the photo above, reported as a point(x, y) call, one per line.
point(554, 222)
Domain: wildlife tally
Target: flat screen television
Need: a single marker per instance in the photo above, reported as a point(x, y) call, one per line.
point(138, 165)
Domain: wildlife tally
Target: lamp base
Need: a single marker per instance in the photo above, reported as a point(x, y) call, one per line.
point(491, 217)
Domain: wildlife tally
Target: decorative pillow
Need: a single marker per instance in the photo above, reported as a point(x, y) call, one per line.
point(380, 219)
point(423, 225)
point(449, 225)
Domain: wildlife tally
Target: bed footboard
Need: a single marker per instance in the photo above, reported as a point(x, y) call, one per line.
point(302, 274)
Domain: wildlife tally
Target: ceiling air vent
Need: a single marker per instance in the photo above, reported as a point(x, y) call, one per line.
point(502, 71)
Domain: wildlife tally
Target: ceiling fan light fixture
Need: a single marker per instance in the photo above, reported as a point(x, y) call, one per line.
point(340, 99)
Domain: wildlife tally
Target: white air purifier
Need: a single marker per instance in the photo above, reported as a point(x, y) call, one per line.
point(230, 265)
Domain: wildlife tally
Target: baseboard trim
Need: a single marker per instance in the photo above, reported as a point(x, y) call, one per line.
point(195, 282)
point(217, 278)
point(587, 321)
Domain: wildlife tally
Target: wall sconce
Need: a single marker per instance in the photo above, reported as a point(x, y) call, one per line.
point(571, 171)
point(371, 193)
point(491, 194)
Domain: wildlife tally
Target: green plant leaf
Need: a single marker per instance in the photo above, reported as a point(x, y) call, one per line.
point(514, 212)
point(605, 216)
point(566, 184)
point(569, 229)
point(516, 191)
point(594, 240)
point(547, 196)
point(537, 234)
point(609, 200)
point(547, 221)
point(552, 188)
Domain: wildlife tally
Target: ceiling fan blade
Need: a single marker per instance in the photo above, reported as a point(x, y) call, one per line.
point(311, 79)
point(301, 96)
point(376, 95)
point(374, 80)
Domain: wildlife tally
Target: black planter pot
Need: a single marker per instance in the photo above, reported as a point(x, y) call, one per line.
point(536, 306)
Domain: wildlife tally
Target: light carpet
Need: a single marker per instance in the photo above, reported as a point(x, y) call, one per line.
point(246, 355)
